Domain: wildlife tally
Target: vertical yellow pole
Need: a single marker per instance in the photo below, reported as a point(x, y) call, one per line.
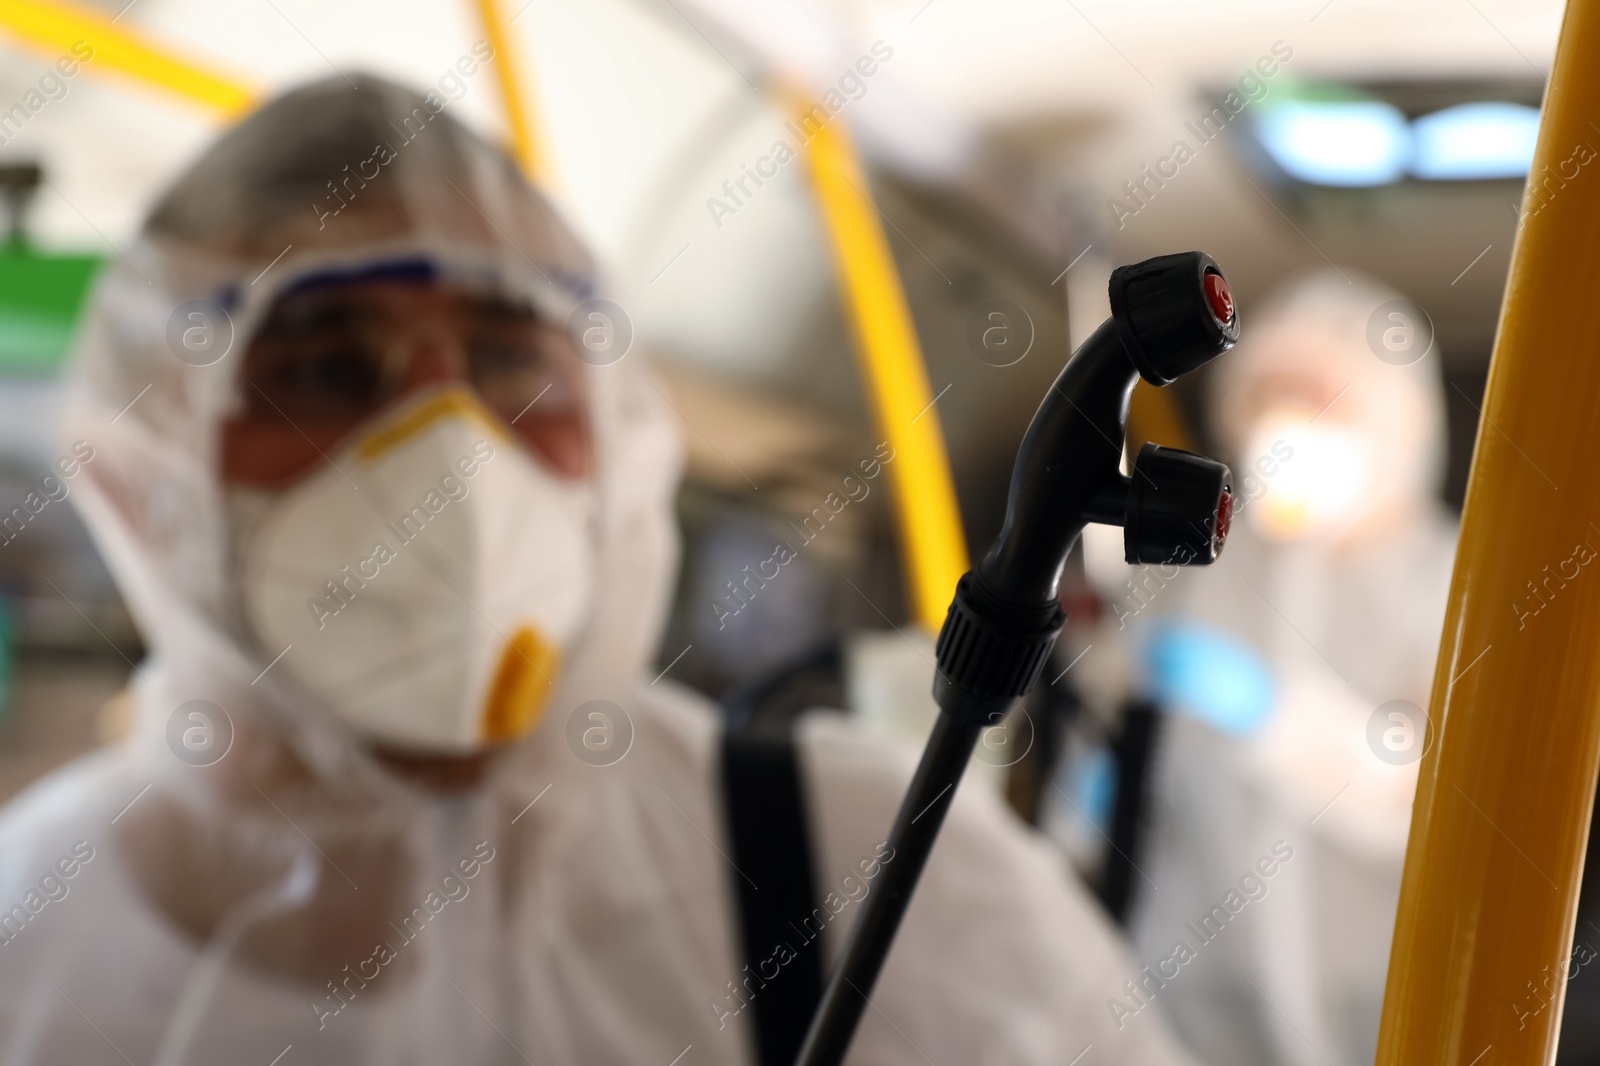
point(897, 381)
point(1154, 416)
point(519, 116)
point(1487, 905)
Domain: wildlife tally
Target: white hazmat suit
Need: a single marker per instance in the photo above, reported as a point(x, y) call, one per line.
point(1324, 612)
point(292, 900)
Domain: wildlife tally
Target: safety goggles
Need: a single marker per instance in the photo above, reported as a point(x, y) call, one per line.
point(328, 358)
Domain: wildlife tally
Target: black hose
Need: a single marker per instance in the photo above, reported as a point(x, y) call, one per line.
point(911, 840)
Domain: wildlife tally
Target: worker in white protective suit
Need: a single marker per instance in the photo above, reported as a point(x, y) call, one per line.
point(399, 787)
point(1298, 670)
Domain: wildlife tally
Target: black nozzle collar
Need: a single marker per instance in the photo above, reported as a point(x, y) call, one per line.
point(992, 648)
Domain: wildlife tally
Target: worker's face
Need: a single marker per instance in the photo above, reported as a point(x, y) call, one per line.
point(326, 360)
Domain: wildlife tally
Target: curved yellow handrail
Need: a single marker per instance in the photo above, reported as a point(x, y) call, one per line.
point(891, 362)
point(53, 27)
point(526, 142)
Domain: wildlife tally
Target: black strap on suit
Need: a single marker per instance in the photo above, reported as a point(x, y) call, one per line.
point(775, 888)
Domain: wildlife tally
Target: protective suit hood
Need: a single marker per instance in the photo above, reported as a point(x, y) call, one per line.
point(327, 180)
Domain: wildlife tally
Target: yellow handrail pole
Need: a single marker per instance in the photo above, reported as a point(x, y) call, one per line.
point(1153, 415)
point(525, 140)
point(1501, 819)
point(891, 361)
point(52, 27)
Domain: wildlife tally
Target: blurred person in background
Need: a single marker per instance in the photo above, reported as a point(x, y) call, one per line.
point(398, 787)
point(1300, 668)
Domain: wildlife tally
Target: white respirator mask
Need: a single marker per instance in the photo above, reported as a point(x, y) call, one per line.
point(427, 580)
point(1324, 489)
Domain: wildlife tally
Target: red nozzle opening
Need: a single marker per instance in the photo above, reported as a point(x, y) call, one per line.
point(1224, 505)
point(1218, 296)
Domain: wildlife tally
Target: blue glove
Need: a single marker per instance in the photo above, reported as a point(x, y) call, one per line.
point(1209, 673)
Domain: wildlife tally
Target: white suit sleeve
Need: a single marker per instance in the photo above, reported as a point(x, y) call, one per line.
point(1003, 955)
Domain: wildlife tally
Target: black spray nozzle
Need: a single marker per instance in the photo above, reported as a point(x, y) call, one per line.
point(1169, 315)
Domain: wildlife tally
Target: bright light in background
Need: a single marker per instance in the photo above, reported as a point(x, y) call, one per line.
point(1354, 142)
point(1483, 140)
point(1349, 143)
